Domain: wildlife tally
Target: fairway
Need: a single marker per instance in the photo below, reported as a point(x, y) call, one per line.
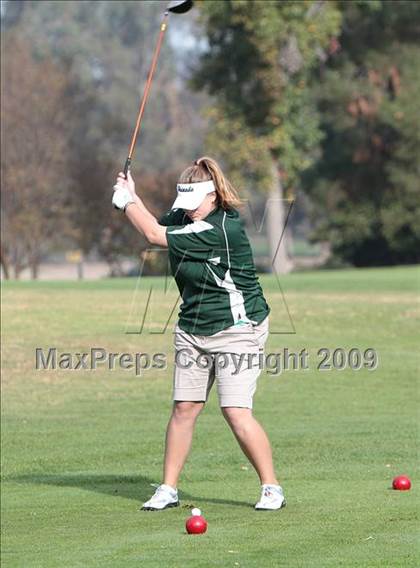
point(81, 448)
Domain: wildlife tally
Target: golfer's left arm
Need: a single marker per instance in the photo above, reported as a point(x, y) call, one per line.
point(141, 218)
point(148, 225)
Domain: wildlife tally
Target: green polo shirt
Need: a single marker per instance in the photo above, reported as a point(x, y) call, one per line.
point(212, 264)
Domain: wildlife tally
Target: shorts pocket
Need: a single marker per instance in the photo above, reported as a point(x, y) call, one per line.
point(260, 333)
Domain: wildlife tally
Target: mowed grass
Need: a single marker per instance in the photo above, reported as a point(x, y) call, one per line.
point(81, 448)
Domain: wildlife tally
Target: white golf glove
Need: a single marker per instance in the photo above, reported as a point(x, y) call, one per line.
point(122, 197)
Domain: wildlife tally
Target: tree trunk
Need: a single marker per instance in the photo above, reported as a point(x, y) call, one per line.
point(18, 269)
point(277, 210)
point(34, 269)
point(4, 260)
point(80, 271)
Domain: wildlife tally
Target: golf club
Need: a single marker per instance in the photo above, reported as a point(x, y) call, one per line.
point(176, 7)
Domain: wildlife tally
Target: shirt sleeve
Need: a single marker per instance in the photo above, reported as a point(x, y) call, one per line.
point(195, 241)
point(173, 217)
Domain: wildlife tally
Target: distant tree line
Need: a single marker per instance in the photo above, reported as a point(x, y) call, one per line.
point(315, 97)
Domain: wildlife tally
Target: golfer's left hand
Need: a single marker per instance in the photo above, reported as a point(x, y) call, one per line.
point(124, 191)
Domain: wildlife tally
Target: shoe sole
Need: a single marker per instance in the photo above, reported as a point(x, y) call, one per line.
point(281, 507)
point(169, 506)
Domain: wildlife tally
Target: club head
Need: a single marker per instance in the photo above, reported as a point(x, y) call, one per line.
point(180, 6)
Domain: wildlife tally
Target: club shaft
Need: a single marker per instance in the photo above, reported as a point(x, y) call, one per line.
point(146, 93)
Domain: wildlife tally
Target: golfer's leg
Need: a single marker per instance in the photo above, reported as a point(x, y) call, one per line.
point(253, 441)
point(179, 435)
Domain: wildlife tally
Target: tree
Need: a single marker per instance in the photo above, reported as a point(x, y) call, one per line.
point(258, 65)
point(365, 189)
point(35, 209)
point(105, 49)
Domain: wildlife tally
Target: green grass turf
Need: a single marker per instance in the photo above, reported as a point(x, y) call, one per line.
point(80, 449)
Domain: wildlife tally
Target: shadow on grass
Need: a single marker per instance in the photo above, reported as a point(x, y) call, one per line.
point(133, 487)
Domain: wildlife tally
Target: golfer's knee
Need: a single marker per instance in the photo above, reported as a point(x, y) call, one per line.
point(187, 410)
point(239, 419)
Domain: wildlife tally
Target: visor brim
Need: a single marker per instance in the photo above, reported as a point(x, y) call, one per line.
point(188, 202)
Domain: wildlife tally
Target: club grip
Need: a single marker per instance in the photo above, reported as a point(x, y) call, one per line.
point(127, 166)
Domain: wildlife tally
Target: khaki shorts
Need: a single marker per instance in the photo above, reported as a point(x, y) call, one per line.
point(233, 357)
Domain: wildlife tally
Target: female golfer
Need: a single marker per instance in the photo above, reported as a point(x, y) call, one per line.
point(223, 320)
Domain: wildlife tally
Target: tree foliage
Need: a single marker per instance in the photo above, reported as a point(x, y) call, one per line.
point(365, 188)
point(102, 51)
point(328, 90)
point(258, 66)
point(107, 47)
point(35, 176)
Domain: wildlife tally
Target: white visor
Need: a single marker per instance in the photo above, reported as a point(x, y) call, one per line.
point(191, 195)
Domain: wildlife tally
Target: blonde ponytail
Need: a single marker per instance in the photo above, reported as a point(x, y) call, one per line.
point(206, 169)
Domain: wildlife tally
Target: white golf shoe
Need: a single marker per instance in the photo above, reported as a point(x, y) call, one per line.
point(165, 496)
point(272, 498)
